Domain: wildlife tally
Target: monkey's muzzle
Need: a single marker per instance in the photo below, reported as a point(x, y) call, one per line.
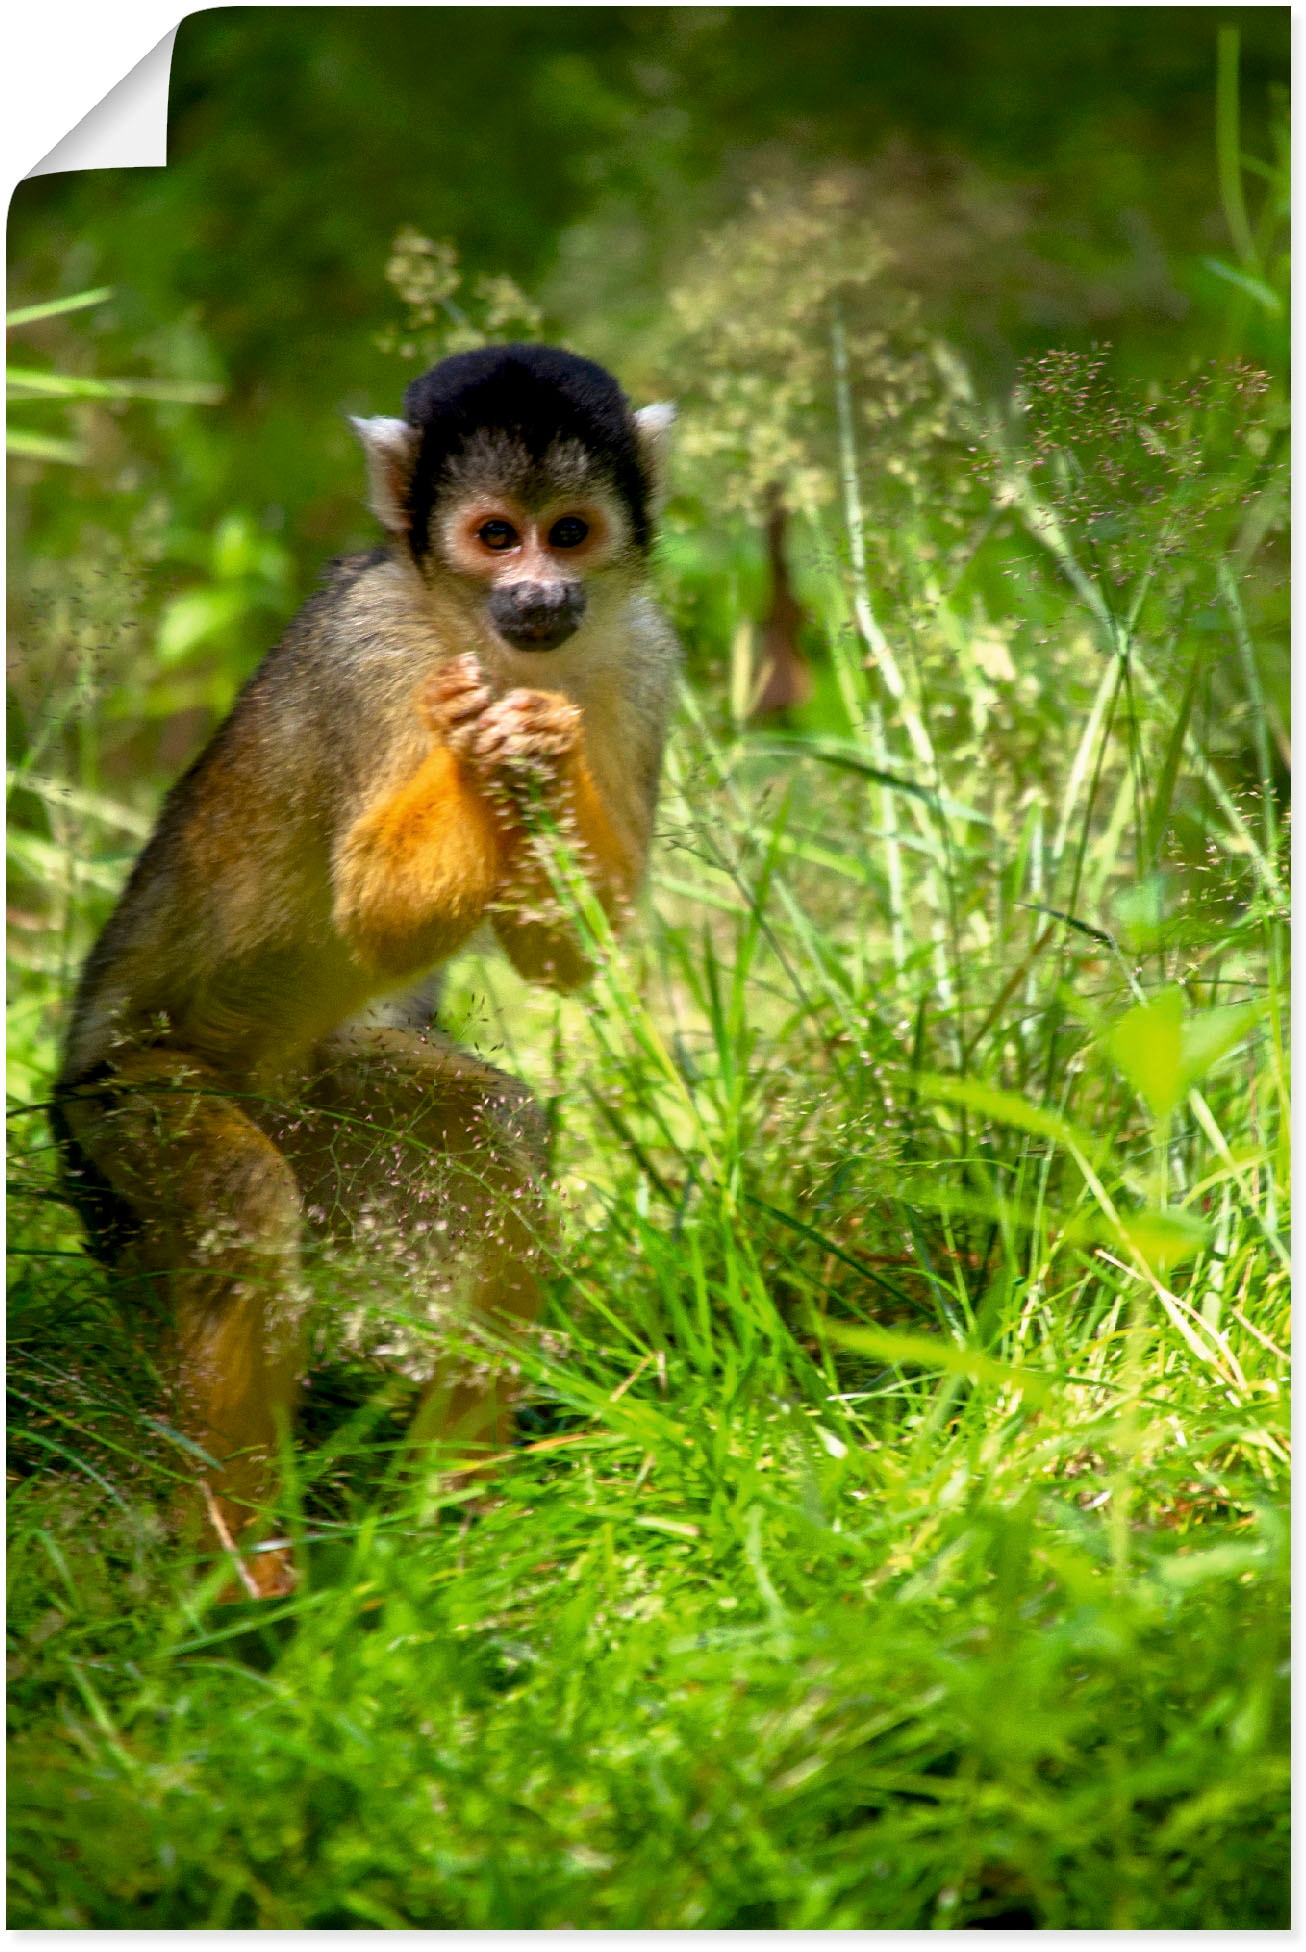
point(537, 616)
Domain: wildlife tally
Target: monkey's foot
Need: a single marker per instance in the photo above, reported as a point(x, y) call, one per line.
point(454, 699)
point(525, 734)
point(267, 1575)
point(266, 1572)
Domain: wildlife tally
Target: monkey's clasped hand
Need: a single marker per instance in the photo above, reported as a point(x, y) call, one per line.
point(240, 1052)
point(524, 734)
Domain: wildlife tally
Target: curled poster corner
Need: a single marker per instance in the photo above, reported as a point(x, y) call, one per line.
point(128, 129)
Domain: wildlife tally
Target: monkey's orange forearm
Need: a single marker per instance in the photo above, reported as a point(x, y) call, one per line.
point(415, 872)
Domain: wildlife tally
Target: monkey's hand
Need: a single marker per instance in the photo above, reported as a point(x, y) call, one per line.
point(524, 738)
point(453, 701)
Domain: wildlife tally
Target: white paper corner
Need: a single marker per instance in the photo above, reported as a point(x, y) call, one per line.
point(128, 129)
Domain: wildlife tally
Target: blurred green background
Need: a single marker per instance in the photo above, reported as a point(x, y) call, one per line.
point(1052, 173)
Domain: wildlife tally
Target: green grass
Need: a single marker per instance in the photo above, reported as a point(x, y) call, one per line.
point(897, 1537)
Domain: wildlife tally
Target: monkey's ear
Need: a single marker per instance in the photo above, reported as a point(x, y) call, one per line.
point(653, 427)
point(391, 449)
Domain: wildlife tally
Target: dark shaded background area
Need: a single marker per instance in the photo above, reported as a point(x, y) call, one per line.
point(584, 151)
point(300, 138)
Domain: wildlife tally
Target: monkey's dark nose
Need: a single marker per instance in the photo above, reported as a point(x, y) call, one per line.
point(537, 616)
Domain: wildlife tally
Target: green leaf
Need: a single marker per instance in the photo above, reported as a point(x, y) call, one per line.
point(1163, 1236)
point(847, 756)
point(1221, 1562)
point(1256, 288)
point(1008, 1109)
point(53, 307)
point(42, 447)
point(1138, 912)
point(1213, 1034)
point(929, 1352)
point(1146, 1046)
point(194, 617)
point(1162, 1052)
point(1158, 813)
point(71, 386)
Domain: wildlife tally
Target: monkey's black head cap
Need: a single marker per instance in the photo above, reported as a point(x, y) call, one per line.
point(537, 396)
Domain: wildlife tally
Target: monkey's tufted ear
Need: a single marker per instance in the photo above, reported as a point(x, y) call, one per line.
point(653, 427)
point(391, 449)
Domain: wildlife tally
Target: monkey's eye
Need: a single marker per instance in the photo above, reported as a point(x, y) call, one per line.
point(568, 533)
point(497, 534)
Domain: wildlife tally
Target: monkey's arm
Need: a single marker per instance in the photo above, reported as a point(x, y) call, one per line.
point(415, 870)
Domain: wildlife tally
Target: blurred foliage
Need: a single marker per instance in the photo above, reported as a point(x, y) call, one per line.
point(425, 275)
point(24, 384)
point(854, 243)
point(775, 298)
point(1129, 470)
point(1052, 187)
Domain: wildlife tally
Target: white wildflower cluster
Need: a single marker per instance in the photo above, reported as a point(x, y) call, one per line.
point(443, 314)
point(757, 317)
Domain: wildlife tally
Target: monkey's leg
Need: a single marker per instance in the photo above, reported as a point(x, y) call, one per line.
point(407, 1139)
point(217, 1220)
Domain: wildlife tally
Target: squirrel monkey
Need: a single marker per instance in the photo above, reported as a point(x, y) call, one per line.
point(363, 809)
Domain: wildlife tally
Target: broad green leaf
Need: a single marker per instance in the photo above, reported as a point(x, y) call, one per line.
point(1163, 1052)
point(1219, 1562)
point(192, 618)
point(930, 1352)
point(1008, 1109)
point(235, 545)
point(1139, 914)
point(240, 549)
point(1163, 1236)
point(1146, 1045)
point(1212, 1034)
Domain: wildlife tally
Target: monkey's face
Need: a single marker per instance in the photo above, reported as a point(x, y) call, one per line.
point(521, 488)
point(535, 566)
